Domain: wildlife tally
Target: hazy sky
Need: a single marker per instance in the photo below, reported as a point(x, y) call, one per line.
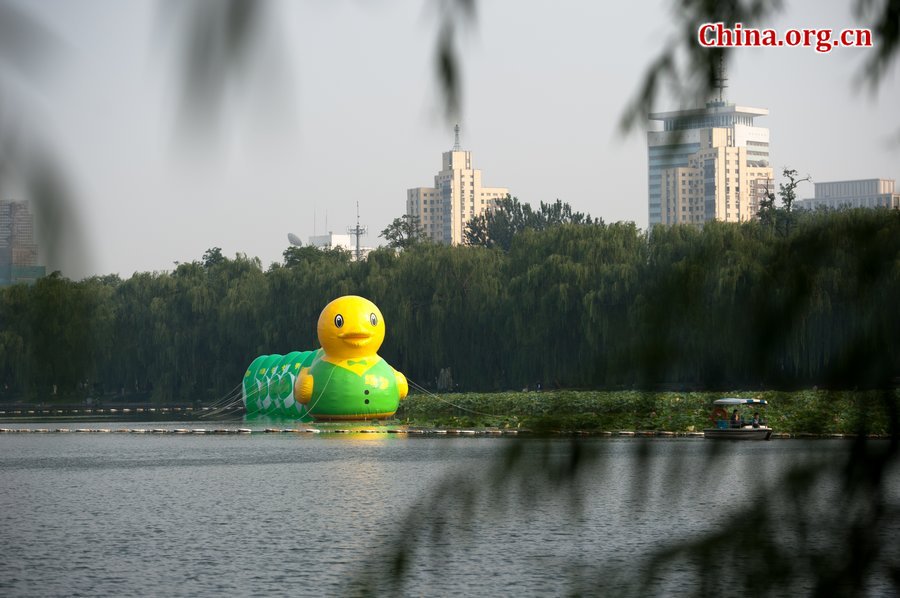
point(347, 110)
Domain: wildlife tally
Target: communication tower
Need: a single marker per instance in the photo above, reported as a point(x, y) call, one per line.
point(357, 231)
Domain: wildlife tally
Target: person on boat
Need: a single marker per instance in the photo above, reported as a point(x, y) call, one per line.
point(736, 421)
point(755, 421)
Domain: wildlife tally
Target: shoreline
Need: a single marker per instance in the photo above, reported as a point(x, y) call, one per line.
point(803, 414)
point(386, 428)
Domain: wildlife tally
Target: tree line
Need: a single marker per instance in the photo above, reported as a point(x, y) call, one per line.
point(575, 305)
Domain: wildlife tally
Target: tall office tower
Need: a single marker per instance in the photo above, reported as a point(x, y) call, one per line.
point(863, 193)
point(457, 197)
point(18, 249)
point(708, 163)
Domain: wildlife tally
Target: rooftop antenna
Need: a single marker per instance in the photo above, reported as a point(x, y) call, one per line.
point(456, 147)
point(721, 78)
point(357, 231)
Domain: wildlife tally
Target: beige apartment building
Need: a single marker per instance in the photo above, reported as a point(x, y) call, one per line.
point(457, 196)
point(707, 164)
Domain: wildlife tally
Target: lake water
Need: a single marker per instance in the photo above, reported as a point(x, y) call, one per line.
point(291, 514)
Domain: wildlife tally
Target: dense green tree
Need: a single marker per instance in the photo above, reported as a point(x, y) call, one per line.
point(295, 256)
point(497, 227)
point(782, 219)
point(404, 232)
point(212, 257)
point(568, 305)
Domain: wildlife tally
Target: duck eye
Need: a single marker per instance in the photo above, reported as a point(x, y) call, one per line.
point(339, 320)
point(373, 319)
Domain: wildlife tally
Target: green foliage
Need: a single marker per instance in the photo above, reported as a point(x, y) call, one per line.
point(498, 227)
point(403, 232)
point(213, 257)
point(571, 306)
point(781, 219)
point(798, 412)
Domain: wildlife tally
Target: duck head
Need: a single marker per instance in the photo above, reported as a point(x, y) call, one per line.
point(350, 327)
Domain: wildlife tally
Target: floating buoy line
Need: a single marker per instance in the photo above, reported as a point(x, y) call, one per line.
point(112, 411)
point(249, 431)
point(399, 431)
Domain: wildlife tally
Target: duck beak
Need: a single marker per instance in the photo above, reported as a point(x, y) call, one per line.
point(357, 338)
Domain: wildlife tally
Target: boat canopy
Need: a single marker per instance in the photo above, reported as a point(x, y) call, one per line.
point(738, 401)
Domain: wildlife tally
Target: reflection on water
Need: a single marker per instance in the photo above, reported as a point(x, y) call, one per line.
point(303, 514)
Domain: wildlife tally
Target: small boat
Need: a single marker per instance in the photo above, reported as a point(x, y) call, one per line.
point(739, 428)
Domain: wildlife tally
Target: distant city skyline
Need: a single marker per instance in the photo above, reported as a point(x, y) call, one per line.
point(327, 123)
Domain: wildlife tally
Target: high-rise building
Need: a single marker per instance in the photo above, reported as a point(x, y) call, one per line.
point(457, 197)
point(865, 193)
point(708, 163)
point(18, 249)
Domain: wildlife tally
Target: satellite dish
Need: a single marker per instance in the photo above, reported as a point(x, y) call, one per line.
point(294, 239)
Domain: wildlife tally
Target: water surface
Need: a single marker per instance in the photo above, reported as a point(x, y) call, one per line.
point(291, 514)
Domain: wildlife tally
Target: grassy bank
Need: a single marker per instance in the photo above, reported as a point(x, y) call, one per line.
point(811, 411)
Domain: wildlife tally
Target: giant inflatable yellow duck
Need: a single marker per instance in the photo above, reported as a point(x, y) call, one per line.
point(344, 380)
